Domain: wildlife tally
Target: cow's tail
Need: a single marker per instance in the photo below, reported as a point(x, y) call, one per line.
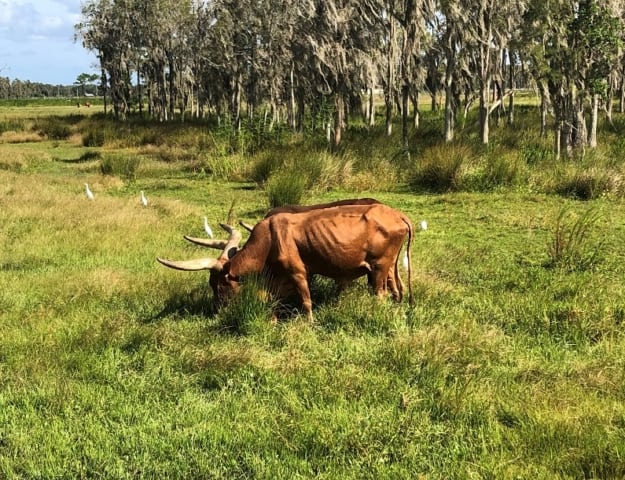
point(409, 259)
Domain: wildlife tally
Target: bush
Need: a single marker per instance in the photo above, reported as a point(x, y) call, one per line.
point(440, 168)
point(571, 247)
point(584, 185)
point(94, 137)
point(499, 170)
point(54, 128)
point(250, 309)
point(286, 188)
point(124, 166)
point(12, 125)
point(265, 166)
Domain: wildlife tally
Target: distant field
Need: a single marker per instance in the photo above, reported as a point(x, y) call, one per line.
point(511, 365)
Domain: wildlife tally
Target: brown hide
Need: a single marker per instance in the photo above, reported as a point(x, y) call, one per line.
point(394, 281)
point(318, 206)
point(342, 242)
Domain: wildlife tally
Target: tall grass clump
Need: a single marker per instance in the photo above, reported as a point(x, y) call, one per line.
point(572, 246)
point(265, 165)
point(94, 137)
point(12, 125)
point(121, 165)
point(584, 184)
point(54, 128)
point(497, 169)
point(440, 168)
point(251, 309)
point(286, 188)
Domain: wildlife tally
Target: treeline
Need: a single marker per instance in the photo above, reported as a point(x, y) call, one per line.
point(22, 89)
point(286, 61)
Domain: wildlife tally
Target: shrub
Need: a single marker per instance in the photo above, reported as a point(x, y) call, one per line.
point(584, 185)
point(124, 166)
point(500, 170)
point(265, 165)
point(571, 246)
point(286, 188)
point(440, 168)
point(54, 128)
point(250, 309)
point(12, 125)
point(94, 137)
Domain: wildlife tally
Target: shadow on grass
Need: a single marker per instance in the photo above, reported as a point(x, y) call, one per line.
point(196, 302)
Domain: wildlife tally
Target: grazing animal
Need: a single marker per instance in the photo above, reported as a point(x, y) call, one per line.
point(342, 242)
point(394, 282)
point(89, 193)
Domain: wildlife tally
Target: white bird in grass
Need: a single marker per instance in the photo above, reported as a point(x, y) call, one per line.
point(207, 228)
point(144, 201)
point(90, 195)
point(424, 225)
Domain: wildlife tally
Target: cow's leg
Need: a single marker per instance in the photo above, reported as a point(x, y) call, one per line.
point(300, 280)
point(395, 284)
point(378, 278)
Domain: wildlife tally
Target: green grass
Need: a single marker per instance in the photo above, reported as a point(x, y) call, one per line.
point(508, 366)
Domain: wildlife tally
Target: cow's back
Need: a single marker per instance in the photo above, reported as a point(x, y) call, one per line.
point(339, 242)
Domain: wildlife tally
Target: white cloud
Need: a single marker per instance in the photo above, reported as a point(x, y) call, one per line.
point(36, 41)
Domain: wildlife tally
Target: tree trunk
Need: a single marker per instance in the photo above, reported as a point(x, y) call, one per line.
point(292, 120)
point(592, 134)
point(450, 112)
point(404, 115)
point(484, 112)
point(389, 92)
point(415, 108)
point(339, 113)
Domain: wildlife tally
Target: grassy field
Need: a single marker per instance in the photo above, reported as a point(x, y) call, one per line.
point(511, 365)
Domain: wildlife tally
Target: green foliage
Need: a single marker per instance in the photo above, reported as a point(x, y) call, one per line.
point(440, 168)
point(12, 125)
point(122, 165)
point(573, 245)
point(583, 184)
point(95, 137)
point(250, 311)
point(286, 187)
point(55, 128)
point(114, 366)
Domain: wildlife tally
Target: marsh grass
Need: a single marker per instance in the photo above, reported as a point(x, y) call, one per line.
point(573, 245)
point(114, 366)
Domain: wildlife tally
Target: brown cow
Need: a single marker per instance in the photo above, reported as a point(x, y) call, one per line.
point(394, 282)
point(342, 243)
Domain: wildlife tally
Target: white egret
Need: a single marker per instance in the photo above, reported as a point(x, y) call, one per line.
point(424, 225)
point(405, 261)
point(207, 228)
point(89, 193)
point(144, 200)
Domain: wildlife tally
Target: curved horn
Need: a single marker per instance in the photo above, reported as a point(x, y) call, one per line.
point(232, 246)
point(193, 265)
point(207, 242)
point(247, 226)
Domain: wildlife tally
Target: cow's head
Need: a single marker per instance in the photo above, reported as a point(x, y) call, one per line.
point(223, 283)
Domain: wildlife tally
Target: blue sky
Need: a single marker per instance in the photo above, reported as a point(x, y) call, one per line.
point(37, 41)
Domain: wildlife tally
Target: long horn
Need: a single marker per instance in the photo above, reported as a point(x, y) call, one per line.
point(207, 242)
point(247, 226)
point(233, 242)
point(193, 265)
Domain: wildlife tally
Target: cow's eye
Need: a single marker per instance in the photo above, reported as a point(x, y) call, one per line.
point(232, 278)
